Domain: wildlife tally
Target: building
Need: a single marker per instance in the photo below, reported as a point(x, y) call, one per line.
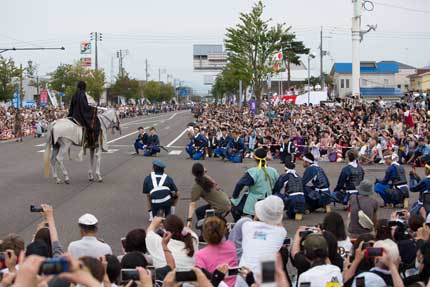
point(388, 79)
point(420, 81)
point(299, 74)
point(210, 59)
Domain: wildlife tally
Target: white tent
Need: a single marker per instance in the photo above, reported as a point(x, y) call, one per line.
point(315, 98)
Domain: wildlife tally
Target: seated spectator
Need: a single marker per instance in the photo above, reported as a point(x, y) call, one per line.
point(37, 247)
point(13, 245)
point(333, 222)
point(183, 245)
point(113, 269)
point(320, 274)
point(219, 251)
point(263, 237)
point(132, 260)
point(88, 245)
point(135, 241)
point(333, 250)
point(94, 266)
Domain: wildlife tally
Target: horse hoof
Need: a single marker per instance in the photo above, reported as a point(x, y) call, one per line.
point(58, 181)
point(100, 179)
point(67, 181)
point(91, 179)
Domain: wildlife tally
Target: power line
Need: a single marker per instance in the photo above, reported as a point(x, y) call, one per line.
point(402, 7)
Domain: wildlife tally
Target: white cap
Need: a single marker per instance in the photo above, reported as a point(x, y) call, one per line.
point(270, 210)
point(88, 219)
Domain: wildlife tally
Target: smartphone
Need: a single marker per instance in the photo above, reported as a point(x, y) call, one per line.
point(305, 233)
point(268, 271)
point(127, 275)
point(54, 266)
point(374, 251)
point(233, 271)
point(305, 284)
point(366, 245)
point(287, 241)
point(185, 276)
point(34, 208)
point(210, 212)
point(360, 282)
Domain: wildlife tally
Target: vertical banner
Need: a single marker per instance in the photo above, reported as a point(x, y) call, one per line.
point(17, 99)
point(43, 98)
point(53, 99)
point(85, 48)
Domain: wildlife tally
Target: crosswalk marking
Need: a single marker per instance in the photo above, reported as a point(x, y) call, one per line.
point(175, 152)
point(40, 145)
point(42, 150)
point(112, 150)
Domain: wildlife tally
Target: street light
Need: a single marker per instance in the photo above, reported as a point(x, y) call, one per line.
point(310, 56)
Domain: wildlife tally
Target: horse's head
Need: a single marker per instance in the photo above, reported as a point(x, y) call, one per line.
point(111, 117)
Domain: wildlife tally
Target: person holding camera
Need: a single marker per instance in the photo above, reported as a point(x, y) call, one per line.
point(160, 190)
point(207, 189)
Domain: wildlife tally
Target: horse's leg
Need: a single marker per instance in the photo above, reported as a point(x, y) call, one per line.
point(64, 146)
point(90, 170)
point(98, 162)
point(55, 150)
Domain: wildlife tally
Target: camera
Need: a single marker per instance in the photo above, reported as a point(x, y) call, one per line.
point(129, 275)
point(268, 271)
point(287, 241)
point(34, 208)
point(210, 212)
point(185, 276)
point(54, 266)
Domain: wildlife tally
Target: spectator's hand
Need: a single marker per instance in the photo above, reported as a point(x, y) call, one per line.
point(169, 280)
point(145, 277)
point(78, 274)
point(202, 280)
point(359, 252)
point(7, 279)
point(223, 268)
point(10, 260)
point(48, 211)
point(28, 269)
point(166, 238)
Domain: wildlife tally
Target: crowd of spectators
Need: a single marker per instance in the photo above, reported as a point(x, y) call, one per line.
point(327, 131)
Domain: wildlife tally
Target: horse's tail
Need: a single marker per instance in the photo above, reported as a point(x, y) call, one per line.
point(47, 153)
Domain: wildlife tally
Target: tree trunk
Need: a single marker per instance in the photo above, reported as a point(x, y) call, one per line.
point(244, 88)
point(257, 91)
point(289, 75)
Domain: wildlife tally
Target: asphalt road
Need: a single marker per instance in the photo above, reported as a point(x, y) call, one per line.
point(118, 202)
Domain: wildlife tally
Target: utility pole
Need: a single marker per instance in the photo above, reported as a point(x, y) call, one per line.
point(20, 87)
point(322, 54)
point(146, 70)
point(121, 55)
point(96, 36)
point(159, 75)
point(356, 38)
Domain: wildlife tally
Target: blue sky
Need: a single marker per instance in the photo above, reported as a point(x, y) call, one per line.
point(164, 31)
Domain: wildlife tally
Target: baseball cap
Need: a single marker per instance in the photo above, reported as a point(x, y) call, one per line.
point(88, 219)
point(315, 242)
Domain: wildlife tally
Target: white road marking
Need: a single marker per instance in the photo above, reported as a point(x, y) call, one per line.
point(175, 152)
point(7, 141)
point(42, 144)
point(166, 128)
point(112, 150)
point(155, 117)
point(177, 138)
point(176, 146)
point(121, 145)
point(42, 150)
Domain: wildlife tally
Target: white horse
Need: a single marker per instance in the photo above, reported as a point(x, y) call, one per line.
point(64, 133)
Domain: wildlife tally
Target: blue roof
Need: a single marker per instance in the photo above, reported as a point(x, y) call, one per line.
point(387, 92)
point(379, 68)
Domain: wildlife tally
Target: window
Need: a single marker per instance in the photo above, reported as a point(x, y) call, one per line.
point(385, 82)
point(363, 82)
point(342, 84)
point(407, 87)
point(399, 86)
point(347, 83)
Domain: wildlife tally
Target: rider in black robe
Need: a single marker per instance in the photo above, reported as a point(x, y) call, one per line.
point(85, 115)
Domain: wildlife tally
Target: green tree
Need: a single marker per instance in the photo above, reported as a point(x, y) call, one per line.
point(167, 92)
point(151, 91)
point(251, 44)
point(66, 76)
point(126, 87)
point(8, 71)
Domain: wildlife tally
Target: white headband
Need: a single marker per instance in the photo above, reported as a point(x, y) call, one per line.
point(308, 160)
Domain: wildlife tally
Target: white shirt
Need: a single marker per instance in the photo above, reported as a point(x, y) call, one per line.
point(320, 275)
point(179, 253)
point(89, 246)
point(345, 244)
point(260, 242)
